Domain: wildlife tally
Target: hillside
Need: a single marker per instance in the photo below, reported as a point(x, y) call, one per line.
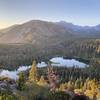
point(36, 32)
point(46, 33)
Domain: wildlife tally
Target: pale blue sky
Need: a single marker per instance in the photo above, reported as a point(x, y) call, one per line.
point(81, 12)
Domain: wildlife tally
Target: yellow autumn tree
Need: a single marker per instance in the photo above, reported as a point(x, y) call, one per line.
point(98, 49)
point(70, 86)
point(42, 81)
point(33, 72)
point(63, 86)
point(91, 89)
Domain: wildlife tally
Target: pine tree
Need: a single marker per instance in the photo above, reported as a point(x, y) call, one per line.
point(77, 84)
point(21, 81)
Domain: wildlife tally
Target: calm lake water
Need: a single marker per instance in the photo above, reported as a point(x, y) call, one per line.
point(56, 61)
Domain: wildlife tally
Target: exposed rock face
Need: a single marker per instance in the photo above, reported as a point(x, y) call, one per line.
point(7, 84)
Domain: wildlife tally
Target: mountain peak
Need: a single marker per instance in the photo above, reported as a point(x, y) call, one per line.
point(37, 32)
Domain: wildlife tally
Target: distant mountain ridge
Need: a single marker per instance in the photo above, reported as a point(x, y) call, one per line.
point(46, 33)
point(85, 31)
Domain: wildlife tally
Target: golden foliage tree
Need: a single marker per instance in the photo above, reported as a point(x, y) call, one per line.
point(42, 81)
point(33, 72)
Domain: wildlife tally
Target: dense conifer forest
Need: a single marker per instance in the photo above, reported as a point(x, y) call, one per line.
point(14, 55)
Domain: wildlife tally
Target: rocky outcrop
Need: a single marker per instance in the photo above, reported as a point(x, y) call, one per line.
point(7, 84)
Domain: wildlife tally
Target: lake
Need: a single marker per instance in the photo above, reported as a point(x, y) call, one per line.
point(60, 61)
point(56, 61)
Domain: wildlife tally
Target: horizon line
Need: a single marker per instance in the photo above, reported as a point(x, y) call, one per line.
point(52, 21)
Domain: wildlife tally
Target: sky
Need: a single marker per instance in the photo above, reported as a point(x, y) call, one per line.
point(79, 12)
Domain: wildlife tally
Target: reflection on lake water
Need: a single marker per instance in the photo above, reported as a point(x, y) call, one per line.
point(60, 61)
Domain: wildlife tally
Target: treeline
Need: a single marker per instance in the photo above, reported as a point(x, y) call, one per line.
point(67, 74)
point(12, 56)
point(83, 48)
